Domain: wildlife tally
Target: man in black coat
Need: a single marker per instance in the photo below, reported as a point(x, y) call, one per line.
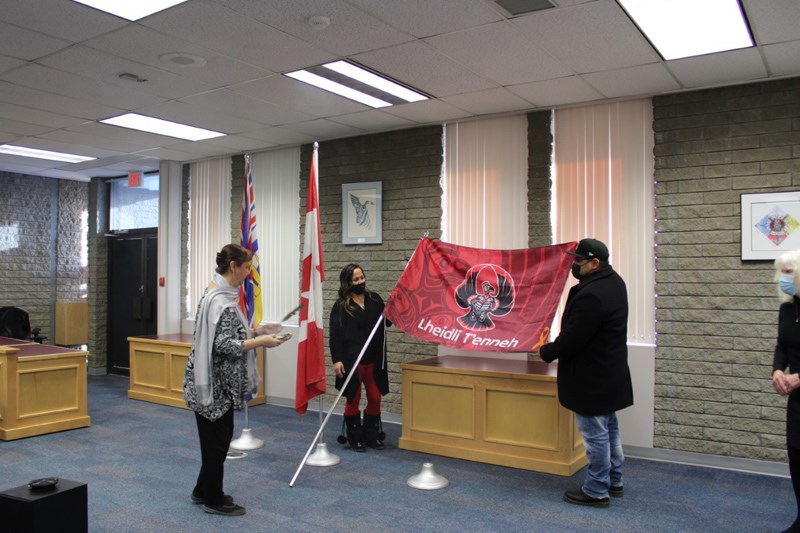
point(594, 380)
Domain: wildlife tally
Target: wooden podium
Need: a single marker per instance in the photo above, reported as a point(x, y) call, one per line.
point(42, 389)
point(496, 411)
point(157, 364)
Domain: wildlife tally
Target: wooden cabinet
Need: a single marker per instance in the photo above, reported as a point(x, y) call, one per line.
point(157, 365)
point(497, 411)
point(42, 389)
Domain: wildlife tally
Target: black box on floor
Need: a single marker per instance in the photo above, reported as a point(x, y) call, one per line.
point(63, 508)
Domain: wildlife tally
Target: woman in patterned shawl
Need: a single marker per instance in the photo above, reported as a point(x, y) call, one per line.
point(221, 372)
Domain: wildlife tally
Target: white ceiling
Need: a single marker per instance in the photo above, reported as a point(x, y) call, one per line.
point(60, 63)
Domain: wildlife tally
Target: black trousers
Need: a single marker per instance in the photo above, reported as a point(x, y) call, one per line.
point(215, 439)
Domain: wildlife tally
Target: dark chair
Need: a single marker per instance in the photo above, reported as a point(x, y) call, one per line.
point(15, 323)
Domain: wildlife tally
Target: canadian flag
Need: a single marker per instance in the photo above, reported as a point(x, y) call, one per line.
point(311, 348)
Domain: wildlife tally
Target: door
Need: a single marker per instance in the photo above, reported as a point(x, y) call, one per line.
point(132, 264)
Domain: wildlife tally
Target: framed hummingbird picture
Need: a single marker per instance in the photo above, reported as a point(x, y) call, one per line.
point(362, 213)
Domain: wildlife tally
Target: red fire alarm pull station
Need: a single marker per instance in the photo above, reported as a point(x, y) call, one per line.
point(162, 281)
point(134, 179)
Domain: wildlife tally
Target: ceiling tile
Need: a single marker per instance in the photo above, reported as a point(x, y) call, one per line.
point(783, 59)
point(211, 25)
point(322, 129)
point(200, 115)
point(68, 20)
point(579, 37)
point(239, 105)
point(428, 112)
point(373, 119)
point(773, 21)
point(421, 66)
point(441, 16)
point(37, 116)
point(490, 101)
point(106, 68)
point(297, 95)
point(717, 69)
point(633, 81)
point(500, 53)
point(25, 44)
point(557, 92)
point(47, 101)
point(279, 136)
point(350, 31)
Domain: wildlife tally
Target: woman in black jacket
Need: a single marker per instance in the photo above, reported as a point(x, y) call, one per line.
point(353, 318)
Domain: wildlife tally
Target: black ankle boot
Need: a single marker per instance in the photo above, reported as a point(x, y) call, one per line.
point(373, 431)
point(355, 434)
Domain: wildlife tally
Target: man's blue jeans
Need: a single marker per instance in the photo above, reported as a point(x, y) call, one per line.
point(603, 452)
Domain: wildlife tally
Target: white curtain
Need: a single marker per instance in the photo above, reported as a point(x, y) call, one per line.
point(485, 183)
point(276, 179)
point(603, 188)
point(209, 223)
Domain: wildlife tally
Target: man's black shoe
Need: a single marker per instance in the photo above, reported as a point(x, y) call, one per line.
point(228, 499)
point(578, 497)
point(616, 492)
point(225, 510)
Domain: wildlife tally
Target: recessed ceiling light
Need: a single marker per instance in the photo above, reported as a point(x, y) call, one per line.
point(686, 28)
point(131, 10)
point(357, 83)
point(182, 60)
point(42, 154)
point(161, 127)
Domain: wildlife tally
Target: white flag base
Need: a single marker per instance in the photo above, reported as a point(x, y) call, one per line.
point(247, 441)
point(322, 457)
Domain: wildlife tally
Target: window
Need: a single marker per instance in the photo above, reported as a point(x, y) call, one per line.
point(134, 207)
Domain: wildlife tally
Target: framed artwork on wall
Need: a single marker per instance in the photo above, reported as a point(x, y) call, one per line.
point(362, 213)
point(770, 224)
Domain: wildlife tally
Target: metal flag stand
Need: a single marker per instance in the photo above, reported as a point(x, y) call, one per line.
point(246, 440)
point(336, 401)
point(321, 456)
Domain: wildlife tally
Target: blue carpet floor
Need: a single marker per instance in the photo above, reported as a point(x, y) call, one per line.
point(140, 460)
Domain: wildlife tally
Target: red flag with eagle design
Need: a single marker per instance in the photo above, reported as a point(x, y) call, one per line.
point(480, 300)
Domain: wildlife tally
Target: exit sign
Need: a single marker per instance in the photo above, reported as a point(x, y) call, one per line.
point(134, 179)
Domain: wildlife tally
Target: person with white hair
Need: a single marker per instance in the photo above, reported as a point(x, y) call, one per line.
point(787, 359)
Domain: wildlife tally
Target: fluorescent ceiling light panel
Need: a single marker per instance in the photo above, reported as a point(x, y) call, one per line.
point(338, 88)
point(686, 28)
point(131, 9)
point(364, 76)
point(161, 127)
point(42, 154)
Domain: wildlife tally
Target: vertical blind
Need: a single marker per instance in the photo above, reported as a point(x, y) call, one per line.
point(276, 179)
point(485, 183)
point(603, 189)
point(209, 223)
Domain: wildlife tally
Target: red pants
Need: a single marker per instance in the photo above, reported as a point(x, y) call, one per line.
point(366, 375)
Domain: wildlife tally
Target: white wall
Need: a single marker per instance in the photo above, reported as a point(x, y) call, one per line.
point(637, 422)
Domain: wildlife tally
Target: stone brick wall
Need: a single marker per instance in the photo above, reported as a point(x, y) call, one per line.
point(717, 314)
point(42, 231)
point(408, 163)
point(98, 202)
point(540, 158)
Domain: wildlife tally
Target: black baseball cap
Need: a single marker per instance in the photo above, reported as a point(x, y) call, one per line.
point(591, 249)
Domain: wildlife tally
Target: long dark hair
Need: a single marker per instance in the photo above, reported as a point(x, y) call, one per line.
point(345, 284)
point(232, 252)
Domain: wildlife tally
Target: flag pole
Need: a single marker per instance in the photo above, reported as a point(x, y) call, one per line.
point(338, 397)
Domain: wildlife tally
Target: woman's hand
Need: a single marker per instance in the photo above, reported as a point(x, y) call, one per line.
point(270, 341)
point(338, 368)
point(783, 383)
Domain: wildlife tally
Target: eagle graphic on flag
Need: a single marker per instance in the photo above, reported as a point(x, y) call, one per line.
point(480, 300)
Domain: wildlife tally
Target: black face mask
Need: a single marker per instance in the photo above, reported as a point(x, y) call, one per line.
point(576, 271)
point(359, 289)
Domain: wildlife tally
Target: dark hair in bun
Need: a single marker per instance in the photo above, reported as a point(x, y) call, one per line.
point(232, 252)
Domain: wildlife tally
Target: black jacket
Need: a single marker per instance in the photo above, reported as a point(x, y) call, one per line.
point(592, 352)
point(787, 354)
point(349, 333)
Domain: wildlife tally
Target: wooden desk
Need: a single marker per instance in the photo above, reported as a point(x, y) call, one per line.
point(42, 390)
point(157, 365)
point(496, 411)
point(8, 341)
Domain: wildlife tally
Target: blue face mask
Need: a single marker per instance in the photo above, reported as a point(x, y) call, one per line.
point(786, 283)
